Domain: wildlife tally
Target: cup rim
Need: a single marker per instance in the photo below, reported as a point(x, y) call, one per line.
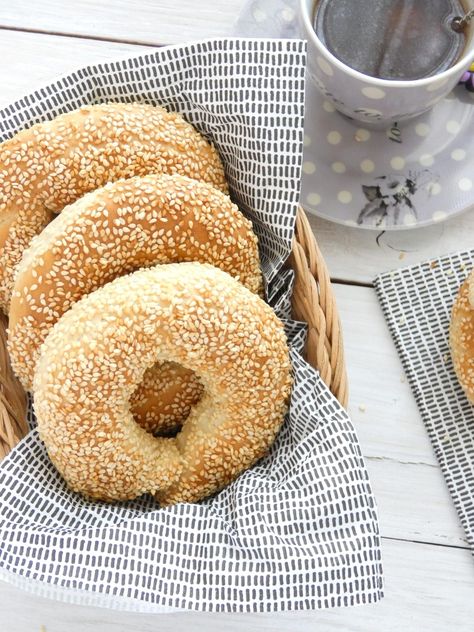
point(447, 74)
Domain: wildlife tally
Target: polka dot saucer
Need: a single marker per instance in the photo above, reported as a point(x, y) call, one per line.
point(410, 175)
point(414, 174)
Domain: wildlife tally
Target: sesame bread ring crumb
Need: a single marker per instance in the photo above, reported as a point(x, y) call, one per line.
point(52, 164)
point(92, 360)
point(461, 336)
point(113, 231)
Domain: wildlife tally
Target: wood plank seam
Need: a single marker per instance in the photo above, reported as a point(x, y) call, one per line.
point(425, 543)
point(400, 462)
point(94, 38)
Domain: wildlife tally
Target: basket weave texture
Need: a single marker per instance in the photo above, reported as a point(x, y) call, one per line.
point(313, 302)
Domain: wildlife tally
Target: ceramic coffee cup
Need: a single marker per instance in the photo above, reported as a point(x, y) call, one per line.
point(377, 102)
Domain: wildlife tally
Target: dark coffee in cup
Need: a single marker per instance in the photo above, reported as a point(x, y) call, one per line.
point(391, 39)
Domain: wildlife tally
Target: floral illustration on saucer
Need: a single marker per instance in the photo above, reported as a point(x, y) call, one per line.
point(390, 197)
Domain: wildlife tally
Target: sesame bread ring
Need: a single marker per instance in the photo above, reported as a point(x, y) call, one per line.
point(461, 336)
point(50, 165)
point(94, 357)
point(115, 230)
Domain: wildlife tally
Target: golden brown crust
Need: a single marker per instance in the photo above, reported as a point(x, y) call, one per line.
point(461, 336)
point(94, 357)
point(46, 167)
point(113, 231)
point(165, 397)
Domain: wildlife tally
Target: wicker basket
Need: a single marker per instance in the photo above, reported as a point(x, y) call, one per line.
point(313, 302)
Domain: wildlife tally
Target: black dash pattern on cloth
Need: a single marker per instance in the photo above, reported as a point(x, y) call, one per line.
point(417, 304)
point(297, 531)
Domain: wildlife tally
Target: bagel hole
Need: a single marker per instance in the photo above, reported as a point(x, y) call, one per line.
point(161, 403)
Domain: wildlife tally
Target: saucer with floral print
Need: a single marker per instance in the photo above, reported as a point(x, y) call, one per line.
point(410, 175)
point(416, 173)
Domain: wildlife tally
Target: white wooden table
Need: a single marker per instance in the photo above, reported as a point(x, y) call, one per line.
point(429, 570)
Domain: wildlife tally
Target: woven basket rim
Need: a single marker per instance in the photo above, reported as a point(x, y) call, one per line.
point(314, 303)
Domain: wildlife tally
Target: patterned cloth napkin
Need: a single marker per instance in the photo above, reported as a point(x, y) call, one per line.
point(417, 303)
point(297, 531)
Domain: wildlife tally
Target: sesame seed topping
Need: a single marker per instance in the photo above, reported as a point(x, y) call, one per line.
point(461, 336)
point(190, 314)
point(52, 164)
point(110, 232)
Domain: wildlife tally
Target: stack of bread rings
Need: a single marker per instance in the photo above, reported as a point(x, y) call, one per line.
point(133, 289)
